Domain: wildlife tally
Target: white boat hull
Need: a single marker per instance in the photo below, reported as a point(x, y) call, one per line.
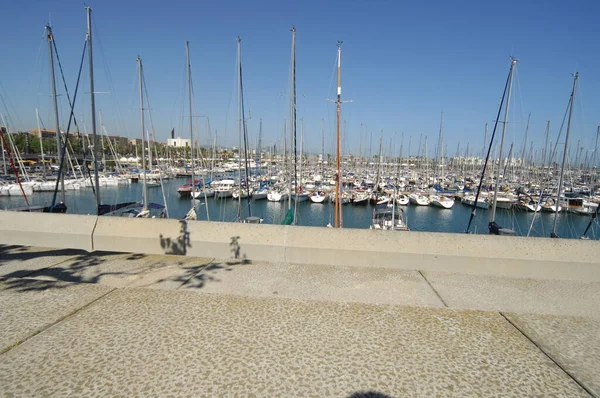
point(443, 203)
point(318, 198)
point(259, 195)
point(419, 200)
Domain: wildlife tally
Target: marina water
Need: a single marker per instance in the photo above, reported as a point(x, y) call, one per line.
point(419, 218)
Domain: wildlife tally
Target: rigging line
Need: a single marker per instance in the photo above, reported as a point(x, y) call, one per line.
point(333, 72)
point(133, 91)
point(71, 106)
point(162, 187)
point(182, 106)
point(203, 162)
point(8, 105)
point(38, 66)
point(579, 96)
point(71, 118)
point(522, 115)
point(553, 154)
point(178, 121)
point(114, 103)
point(12, 164)
point(473, 212)
point(245, 128)
point(62, 75)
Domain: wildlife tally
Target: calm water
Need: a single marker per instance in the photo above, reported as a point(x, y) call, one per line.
point(419, 218)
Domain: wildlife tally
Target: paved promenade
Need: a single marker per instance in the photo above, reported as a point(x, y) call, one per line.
point(108, 324)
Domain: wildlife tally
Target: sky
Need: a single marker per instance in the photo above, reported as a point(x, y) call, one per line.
point(403, 64)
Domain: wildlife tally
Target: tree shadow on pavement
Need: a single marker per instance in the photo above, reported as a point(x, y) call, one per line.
point(368, 394)
point(196, 277)
point(85, 268)
point(11, 253)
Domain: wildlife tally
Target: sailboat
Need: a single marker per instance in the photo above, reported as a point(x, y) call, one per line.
point(553, 234)
point(440, 200)
point(243, 192)
point(493, 227)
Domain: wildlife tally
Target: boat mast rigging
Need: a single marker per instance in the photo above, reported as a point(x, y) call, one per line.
point(93, 106)
point(566, 148)
point(144, 182)
point(487, 157)
point(294, 189)
point(492, 224)
point(59, 148)
point(338, 221)
point(191, 214)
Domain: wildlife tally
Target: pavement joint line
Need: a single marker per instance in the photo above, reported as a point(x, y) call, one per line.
point(432, 288)
point(539, 347)
point(48, 326)
point(197, 273)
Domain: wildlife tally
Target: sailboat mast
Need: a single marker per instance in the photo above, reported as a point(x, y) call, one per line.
point(293, 114)
point(93, 106)
point(145, 187)
point(338, 176)
point(189, 81)
point(440, 149)
point(59, 149)
point(298, 183)
point(546, 145)
point(322, 147)
point(244, 130)
point(513, 63)
point(562, 168)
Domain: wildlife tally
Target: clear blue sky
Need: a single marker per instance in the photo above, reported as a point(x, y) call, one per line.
point(403, 63)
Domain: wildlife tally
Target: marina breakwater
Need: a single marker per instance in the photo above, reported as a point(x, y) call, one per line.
point(466, 253)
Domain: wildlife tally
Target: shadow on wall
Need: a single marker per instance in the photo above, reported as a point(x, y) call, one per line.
point(236, 256)
point(179, 245)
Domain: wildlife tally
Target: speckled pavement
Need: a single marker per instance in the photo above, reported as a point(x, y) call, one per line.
point(19, 261)
point(121, 270)
point(522, 295)
point(574, 342)
point(106, 324)
point(29, 306)
point(317, 282)
point(137, 342)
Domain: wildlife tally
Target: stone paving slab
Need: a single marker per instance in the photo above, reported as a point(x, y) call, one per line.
point(28, 306)
point(316, 282)
point(573, 342)
point(120, 270)
point(18, 261)
point(143, 342)
point(538, 296)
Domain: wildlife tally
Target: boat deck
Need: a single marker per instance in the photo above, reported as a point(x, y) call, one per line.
point(117, 324)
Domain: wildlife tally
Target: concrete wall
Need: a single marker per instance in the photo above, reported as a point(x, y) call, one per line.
point(475, 254)
point(47, 229)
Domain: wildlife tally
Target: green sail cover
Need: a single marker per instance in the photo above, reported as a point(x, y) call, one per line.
point(289, 218)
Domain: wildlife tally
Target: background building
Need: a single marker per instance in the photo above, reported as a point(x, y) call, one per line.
point(178, 142)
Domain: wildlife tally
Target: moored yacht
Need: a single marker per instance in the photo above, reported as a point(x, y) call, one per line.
point(418, 199)
point(441, 201)
point(223, 189)
point(388, 218)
